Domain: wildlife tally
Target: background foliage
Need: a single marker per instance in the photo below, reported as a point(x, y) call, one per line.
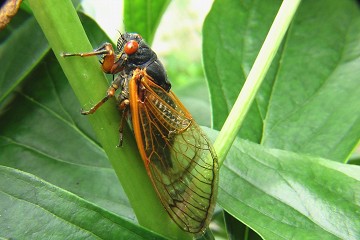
point(287, 175)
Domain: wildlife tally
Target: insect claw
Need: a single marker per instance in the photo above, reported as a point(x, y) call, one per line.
point(120, 141)
point(83, 112)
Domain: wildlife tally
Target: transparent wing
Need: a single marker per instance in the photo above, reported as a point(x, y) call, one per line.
point(178, 156)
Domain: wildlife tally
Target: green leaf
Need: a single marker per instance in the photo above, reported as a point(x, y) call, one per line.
point(143, 16)
point(19, 54)
point(236, 35)
point(80, 166)
point(195, 98)
point(218, 229)
point(283, 195)
point(238, 230)
point(43, 133)
point(71, 217)
point(235, 229)
point(308, 102)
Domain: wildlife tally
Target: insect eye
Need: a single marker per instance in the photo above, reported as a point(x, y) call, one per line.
point(131, 47)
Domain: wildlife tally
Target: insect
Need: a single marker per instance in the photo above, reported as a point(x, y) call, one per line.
point(177, 155)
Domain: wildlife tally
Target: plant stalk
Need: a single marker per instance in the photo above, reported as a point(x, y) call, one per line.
point(64, 32)
point(257, 74)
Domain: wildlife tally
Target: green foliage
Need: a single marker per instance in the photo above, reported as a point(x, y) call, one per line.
point(308, 105)
point(142, 16)
point(42, 210)
point(309, 98)
point(300, 196)
point(290, 181)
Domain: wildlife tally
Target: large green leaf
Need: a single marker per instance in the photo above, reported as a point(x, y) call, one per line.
point(62, 149)
point(19, 54)
point(307, 104)
point(284, 195)
point(50, 212)
point(143, 16)
point(309, 100)
point(43, 133)
point(233, 33)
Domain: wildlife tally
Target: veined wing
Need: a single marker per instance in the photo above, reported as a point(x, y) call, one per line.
point(178, 156)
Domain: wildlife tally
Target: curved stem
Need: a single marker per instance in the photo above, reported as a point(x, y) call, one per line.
point(257, 73)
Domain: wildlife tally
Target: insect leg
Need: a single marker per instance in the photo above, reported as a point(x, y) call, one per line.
point(106, 48)
point(116, 83)
point(110, 62)
point(124, 105)
point(109, 94)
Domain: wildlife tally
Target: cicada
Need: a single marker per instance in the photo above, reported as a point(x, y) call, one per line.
point(178, 157)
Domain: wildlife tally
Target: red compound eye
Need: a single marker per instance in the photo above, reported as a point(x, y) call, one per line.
point(131, 47)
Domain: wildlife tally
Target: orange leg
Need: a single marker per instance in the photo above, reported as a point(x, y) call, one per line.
point(105, 49)
point(110, 63)
point(109, 94)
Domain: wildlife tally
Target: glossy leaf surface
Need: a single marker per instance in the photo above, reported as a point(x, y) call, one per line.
point(307, 104)
point(18, 56)
point(70, 217)
point(309, 99)
point(143, 16)
point(284, 195)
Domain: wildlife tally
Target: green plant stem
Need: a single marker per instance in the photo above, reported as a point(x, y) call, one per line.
point(64, 32)
point(257, 73)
